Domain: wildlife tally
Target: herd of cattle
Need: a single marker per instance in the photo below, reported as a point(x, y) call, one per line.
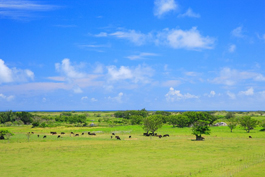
point(94, 134)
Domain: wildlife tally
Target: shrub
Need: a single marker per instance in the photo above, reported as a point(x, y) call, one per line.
point(5, 134)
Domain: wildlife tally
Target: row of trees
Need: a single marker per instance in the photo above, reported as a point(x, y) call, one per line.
point(10, 116)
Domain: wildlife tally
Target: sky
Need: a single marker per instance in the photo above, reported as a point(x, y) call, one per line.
point(133, 54)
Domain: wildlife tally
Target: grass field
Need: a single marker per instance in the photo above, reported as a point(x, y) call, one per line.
point(221, 154)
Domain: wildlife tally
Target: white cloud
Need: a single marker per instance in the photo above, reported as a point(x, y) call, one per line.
point(8, 98)
point(68, 70)
point(190, 39)
point(248, 92)
point(8, 75)
point(77, 89)
point(22, 8)
point(84, 98)
point(171, 83)
point(101, 34)
point(237, 32)
point(164, 6)
point(191, 73)
point(117, 98)
point(141, 56)
point(93, 99)
point(231, 95)
point(44, 99)
point(99, 69)
point(175, 95)
point(138, 74)
point(190, 13)
point(137, 38)
point(211, 94)
point(232, 48)
point(232, 76)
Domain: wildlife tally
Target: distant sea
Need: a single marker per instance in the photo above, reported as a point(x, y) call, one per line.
point(124, 110)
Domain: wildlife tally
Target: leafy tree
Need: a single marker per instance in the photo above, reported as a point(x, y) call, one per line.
point(195, 116)
point(263, 124)
point(248, 123)
point(5, 133)
point(230, 115)
point(136, 119)
point(26, 117)
point(152, 123)
point(200, 127)
point(179, 120)
point(164, 113)
point(232, 124)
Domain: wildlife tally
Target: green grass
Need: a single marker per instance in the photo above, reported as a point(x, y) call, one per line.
point(221, 154)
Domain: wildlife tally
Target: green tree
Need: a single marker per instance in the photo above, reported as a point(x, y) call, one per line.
point(136, 119)
point(5, 133)
point(232, 124)
point(263, 125)
point(152, 123)
point(200, 127)
point(248, 123)
point(230, 115)
point(179, 120)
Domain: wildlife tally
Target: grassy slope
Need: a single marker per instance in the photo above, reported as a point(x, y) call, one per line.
point(221, 154)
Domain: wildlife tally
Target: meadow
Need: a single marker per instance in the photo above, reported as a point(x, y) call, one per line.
point(222, 153)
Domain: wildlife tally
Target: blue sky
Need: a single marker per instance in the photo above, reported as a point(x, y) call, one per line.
point(133, 54)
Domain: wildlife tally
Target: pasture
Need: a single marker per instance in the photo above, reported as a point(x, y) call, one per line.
point(221, 154)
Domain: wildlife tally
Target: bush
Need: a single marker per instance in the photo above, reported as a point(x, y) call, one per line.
point(5, 134)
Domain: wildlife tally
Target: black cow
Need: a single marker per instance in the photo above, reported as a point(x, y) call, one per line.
point(117, 137)
point(91, 133)
point(62, 133)
point(72, 132)
point(53, 133)
point(82, 133)
point(130, 136)
point(159, 136)
point(113, 133)
point(166, 135)
point(76, 134)
point(111, 137)
point(59, 136)
point(38, 136)
point(250, 136)
point(32, 132)
point(44, 136)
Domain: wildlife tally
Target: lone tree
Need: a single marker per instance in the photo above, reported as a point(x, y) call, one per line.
point(152, 123)
point(5, 133)
point(232, 124)
point(200, 127)
point(248, 123)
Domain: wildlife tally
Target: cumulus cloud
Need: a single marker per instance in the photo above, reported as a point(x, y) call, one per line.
point(7, 98)
point(211, 94)
point(141, 56)
point(231, 95)
point(135, 37)
point(164, 6)
point(141, 73)
point(232, 48)
point(189, 39)
point(93, 99)
point(8, 75)
point(175, 95)
point(248, 92)
point(77, 89)
point(237, 32)
point(190, 13)
point(117, 98)
point(84, 98)
point(232, 76)
point(68, 70)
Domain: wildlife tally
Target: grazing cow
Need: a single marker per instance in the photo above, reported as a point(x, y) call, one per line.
point(72, 132)
point(44, 136)
point(88, 133)
point(130, 136)
point(62, 133)
point(91, 133)
point(82, 133)
point(53, 133)
point(111, 137)
point(144, 134)
point(160, 136)
point(166, 135)
point(32, 132)
point(76, 134)
point(113, 133)
point(59, 136)
point(117, 137)
point(155, 134)
point(38, 136)
point(250, 136)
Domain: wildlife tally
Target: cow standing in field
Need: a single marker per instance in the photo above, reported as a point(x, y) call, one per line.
point(130, 136)
point(76, 134)
point(83, 133)
point(62, 133)
point(113, 133)
point(117, 137)
point(53, 133)
point(111, 137)
point(32, 132)
point(91, 133)
point(59, 136)
point(72, 132)
point(38, 136)
point(250, 136)
point(44, 136)
point(166, 135)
